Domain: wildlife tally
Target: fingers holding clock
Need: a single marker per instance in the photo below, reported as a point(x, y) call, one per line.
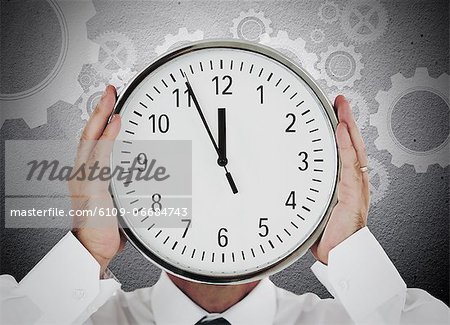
point(100, 155)
point(96, 190)
point(94, 149)
point(103, 147)
point(95, 126)
point(351, 182)
point(350, 213)
point(103, 134)
point(354, 183)
point(96, 123)
point(345, 115)
point(96, 230)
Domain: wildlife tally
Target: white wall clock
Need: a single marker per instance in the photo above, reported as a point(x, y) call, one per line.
point(264, 160)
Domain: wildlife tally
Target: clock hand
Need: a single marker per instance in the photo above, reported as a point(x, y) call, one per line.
point(222, 160)
point(200, 112)
point(208, 130)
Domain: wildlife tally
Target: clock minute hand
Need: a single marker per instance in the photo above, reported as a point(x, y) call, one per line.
point(202, 117)
point(208, 130)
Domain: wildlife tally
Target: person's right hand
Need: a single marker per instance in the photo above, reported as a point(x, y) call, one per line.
point(99, 233)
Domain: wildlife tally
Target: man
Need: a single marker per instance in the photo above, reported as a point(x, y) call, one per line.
point(65, 286)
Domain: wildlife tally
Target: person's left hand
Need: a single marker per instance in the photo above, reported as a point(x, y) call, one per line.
point(350, 213)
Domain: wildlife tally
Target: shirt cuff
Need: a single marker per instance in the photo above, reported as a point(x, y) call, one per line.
point(360, 275)
point(65, 284)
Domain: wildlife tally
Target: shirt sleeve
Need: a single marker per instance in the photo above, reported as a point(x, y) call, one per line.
point(63, 288)
point(363, 279)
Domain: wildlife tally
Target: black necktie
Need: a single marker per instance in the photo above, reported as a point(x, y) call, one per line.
point(216, 321)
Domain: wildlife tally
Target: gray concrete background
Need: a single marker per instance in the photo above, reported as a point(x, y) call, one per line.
point(410, 210)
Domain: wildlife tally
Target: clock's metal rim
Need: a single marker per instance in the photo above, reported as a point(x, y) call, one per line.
point(299, 251)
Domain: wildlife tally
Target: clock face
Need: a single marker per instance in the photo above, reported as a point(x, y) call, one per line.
point(281, 158)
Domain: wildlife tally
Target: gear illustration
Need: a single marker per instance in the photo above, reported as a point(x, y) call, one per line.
point(401, 86)
point(182, 37)
point(250, 26)
point(364, 20)
point(317, 36)
point(294, 49)
point(378, 180)
point(117, 52)
point(340, 66)
point(120, 78)
point(329, 12)
point(61, 84)
point(86, 103)
point(358, 104)
point(89, 77)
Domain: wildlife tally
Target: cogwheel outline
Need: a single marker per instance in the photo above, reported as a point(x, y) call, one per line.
point(323, 11)
point(62, 82)
point(171, 41)
point(251, 16)
point(376, 168)
point(401, 86)
point(297, 47)
point(326, 71)
point(86, 103)
point(317, 35)
point(358, 103)
point(89, 77)
point(121, 78)
point(124, 44)
point(352, 9)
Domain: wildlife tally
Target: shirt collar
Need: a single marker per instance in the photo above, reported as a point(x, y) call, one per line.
point(258, 307)
point(171, 306)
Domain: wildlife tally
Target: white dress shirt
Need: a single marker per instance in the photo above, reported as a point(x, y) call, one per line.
point(64, 288)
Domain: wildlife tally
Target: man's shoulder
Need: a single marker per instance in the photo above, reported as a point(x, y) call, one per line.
point(307, 307)
point(126, 307)
point(137, 295)
point(286, 297)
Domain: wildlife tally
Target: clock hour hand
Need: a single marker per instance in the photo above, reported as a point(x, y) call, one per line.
point(208, 130)
point(222, 148)
point(222, 160)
